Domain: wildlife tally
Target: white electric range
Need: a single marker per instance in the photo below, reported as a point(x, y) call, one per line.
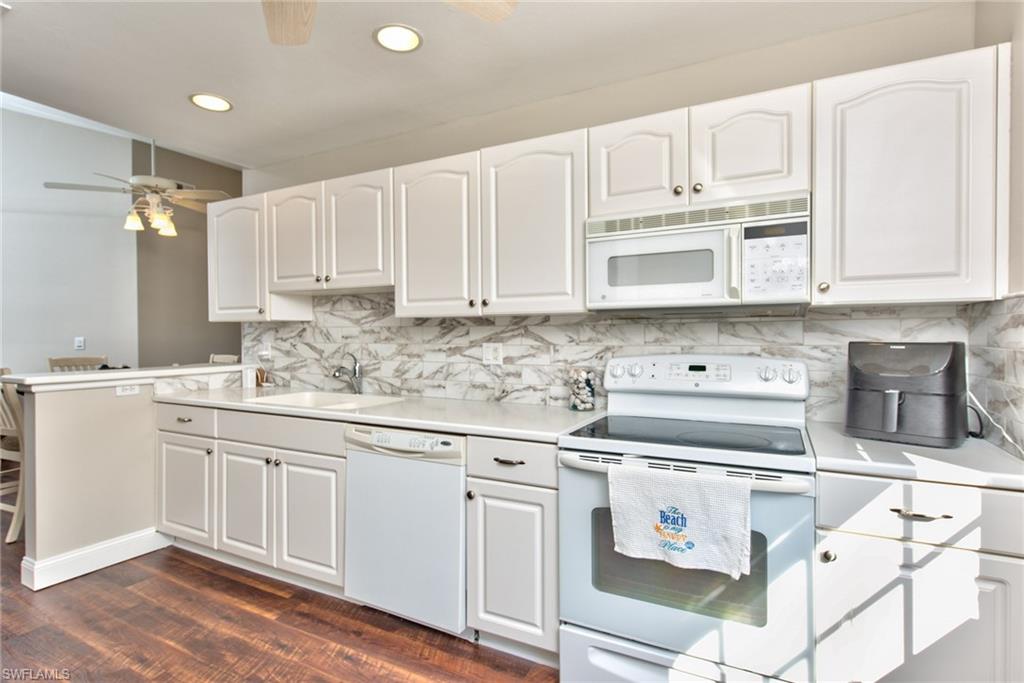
point(627, 619)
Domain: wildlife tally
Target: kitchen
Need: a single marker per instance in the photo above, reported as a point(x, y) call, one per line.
point(444, 362)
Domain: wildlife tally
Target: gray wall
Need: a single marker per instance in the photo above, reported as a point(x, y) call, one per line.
point(172, 285)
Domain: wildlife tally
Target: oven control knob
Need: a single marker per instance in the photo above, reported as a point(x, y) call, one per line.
point(635, 370)
point(791, 375)
point(767, 373)
point(616, 371)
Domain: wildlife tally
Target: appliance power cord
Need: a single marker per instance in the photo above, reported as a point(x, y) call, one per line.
point(995, 424)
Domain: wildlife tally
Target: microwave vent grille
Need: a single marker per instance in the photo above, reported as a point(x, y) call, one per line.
point(719, 214)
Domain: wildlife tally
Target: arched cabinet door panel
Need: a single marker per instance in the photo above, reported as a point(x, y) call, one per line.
point(358, 231)
point(293, 232)
point(235, 260)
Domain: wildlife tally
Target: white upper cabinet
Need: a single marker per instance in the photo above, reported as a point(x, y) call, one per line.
point(904, 182)
point(639, 165)
point(437, 237)
point(753, 145)
point(534, 206)
point(236, 256)
point(357, 232)
point(294, 230)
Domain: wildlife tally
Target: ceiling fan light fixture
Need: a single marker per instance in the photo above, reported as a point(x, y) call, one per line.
point(398, 38)
point(210, 102)
point(133, 222)
point(168, 229)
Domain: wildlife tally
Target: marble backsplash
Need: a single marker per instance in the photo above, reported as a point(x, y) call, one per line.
point(442, 357)
point(996, 366)
point(200, 382)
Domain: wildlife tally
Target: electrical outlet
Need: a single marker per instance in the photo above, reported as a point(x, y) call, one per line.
point(492, 354)
point(79, 343)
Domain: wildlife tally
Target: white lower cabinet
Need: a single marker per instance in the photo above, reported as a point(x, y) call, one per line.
point(512, 558)
point(246, 502)
point(896, 611)
point(186, 476)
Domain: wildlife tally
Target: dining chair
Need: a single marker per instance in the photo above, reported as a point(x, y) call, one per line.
point(76, 363)
point(223, 358)
point(12, 451)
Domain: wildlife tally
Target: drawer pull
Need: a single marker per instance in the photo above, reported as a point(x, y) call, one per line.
point(507, 461)
point(917, 516)
point(186, 420)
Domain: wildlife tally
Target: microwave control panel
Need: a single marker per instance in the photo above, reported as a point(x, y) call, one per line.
point(776, 262)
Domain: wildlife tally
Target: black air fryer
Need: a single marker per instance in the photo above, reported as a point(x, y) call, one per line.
point(909, 393)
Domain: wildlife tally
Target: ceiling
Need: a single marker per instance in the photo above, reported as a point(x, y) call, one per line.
point(133, 64)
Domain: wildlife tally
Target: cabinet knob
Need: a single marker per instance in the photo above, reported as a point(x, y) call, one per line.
point(829, 556)
point(277, 463)
point(209, 451)
point(472, 303)
point(485, 302)
point(471, 494)
point(678, 190)
point(327, 278)
point(318, 278)
point(698, 187)
point(260, 310)
point(269, 460)
point(824, 287)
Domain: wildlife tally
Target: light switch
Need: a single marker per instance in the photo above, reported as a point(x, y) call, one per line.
point(492, 354)
point(79, 343)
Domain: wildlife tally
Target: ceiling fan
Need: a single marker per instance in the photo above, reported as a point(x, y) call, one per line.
point(290, 22)
point(153, 191)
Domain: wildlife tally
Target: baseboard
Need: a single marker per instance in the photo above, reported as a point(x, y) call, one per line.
point(38, 574)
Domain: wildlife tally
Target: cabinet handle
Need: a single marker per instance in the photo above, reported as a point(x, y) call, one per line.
point(485, 302)
point(277, 463)
point(327, 278)
point(185, 420)
point(269, 460)
point(508, 461)
point(678, 190)
point(318, 278)
point(917, 516)
point(829, 556)
point(698, 187)
point(209, 451)
point(472, 303)
point(471, 494)
point(824, 287)
point(260, 310)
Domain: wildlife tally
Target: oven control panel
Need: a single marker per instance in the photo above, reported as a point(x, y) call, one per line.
point(748, 376)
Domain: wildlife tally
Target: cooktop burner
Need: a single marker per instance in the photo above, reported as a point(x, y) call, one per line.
point(696, 434)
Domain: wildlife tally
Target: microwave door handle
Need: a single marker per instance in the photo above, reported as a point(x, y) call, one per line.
point(735, 267)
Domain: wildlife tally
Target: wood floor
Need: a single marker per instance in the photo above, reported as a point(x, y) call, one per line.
point(174, 616)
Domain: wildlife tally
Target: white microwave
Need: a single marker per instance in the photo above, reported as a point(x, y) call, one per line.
point(763, 260)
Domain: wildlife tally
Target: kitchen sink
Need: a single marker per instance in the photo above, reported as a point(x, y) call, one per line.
point(325, 400)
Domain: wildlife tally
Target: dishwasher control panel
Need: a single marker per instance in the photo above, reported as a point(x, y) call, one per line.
point(406, 441)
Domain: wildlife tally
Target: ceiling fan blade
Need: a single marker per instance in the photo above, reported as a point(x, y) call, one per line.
point(199, 195)
point(289, 22)
point(488, 10)
point(198, 207)
point(90, 188)
point(120, 180)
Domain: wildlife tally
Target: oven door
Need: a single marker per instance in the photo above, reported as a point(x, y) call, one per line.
point(692, 267)
point(761, 622)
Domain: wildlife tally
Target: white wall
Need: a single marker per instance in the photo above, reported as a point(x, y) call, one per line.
point(914, 36)
point(68, 269)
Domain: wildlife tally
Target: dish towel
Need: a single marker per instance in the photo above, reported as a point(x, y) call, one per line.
point(692, 521)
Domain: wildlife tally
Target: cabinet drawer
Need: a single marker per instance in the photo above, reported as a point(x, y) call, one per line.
point(941, 514)
point(292, 433)
point(186, 419)
point(521, 462)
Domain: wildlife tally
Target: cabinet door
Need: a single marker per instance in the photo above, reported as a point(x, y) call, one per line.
point(246, 501)
point(753, 145)
point(437, 237)
point(310, 505)
point(236, 258)
point(534, 205)
point(895, 611)
point(358, 231)
point(512, 562)
point(186, 482)
point(639, 165)
point(904, 159)
point(294, 231)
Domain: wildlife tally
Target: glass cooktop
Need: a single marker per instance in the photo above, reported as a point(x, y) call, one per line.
point(696, 434)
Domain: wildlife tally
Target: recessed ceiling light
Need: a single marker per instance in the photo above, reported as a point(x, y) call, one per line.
point(398, 38)
point(210, 102)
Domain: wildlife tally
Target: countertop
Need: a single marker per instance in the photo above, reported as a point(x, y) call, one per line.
point(476, 418)
point(975, 463)
point(53, 379)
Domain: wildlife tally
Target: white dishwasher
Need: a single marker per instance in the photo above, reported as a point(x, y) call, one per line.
point(405, 524)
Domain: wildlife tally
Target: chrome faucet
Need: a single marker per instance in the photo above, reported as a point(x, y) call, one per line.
point(354, 375)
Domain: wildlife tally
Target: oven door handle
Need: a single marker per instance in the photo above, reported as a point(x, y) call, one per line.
point(795, 486)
